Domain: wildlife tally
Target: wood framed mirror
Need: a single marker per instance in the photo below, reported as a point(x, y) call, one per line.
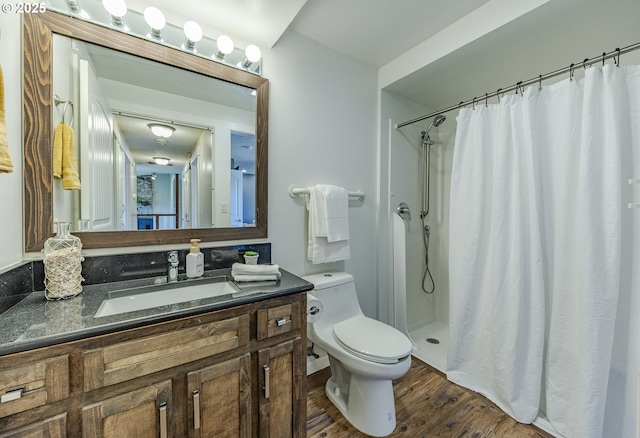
point(38, 36)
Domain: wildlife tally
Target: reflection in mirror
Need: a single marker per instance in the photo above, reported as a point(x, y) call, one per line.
point(203, 106)
point(194, 169)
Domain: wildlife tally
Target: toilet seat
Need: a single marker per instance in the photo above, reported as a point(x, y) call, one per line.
point(372, 340)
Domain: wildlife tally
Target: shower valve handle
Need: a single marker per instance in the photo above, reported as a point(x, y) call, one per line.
point(403, 211)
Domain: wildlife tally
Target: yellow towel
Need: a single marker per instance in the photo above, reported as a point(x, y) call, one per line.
point(6, 165)
point(57, 151)
point(70, 179)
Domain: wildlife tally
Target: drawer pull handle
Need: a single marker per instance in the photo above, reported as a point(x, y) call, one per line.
point(280, 322)
point(196, 409)
point(266, 380)
point(11, 395)
point(163, 420)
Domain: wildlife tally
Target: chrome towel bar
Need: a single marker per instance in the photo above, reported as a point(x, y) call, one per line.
point(294, 192)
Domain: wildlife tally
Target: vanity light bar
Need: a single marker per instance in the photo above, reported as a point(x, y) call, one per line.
point(152, 25)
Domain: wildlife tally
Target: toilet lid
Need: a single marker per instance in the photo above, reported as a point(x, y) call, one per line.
point(372, 340)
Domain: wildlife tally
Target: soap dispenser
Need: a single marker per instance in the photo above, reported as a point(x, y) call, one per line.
point(195, 260)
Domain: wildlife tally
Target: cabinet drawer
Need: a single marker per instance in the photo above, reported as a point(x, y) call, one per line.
point(35, 384)
point(278, 320)
point(129, 360)
point(50, 427)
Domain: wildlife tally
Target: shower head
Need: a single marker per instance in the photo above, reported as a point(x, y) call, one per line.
point(437, 121)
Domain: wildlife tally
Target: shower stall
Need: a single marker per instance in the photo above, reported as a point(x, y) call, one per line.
point(419, 172)
point(542, 315)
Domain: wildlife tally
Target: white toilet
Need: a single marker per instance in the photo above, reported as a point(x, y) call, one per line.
point(364, 354)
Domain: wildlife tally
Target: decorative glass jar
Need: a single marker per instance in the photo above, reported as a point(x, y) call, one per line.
point(62, 264)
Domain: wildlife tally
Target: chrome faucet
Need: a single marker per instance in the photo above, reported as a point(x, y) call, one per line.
point(172, 274)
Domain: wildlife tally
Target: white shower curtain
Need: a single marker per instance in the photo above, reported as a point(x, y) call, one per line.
point(535, 246)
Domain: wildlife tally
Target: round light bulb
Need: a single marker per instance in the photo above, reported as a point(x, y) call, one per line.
point(154, 18)
point(193, 31)
point(117, 8)
point(252, 53)
point(225, 44)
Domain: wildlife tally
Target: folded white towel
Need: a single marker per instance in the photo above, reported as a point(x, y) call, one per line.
point(244, 277)
point(243, 269)
point(242, 272)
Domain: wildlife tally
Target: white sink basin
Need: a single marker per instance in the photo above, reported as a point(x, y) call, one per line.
point(162, 295)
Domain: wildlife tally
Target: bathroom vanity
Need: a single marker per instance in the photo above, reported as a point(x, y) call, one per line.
point(233, 365)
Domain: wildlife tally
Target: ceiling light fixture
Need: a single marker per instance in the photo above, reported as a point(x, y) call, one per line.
point(117, 9)
point(161, 161)
point(225, 46)
point(193, 34)
point(164, 131)
point(156, 21)
point(251, 54)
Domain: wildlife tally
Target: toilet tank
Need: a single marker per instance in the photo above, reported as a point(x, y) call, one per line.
point(324, 280)
point(337, 292)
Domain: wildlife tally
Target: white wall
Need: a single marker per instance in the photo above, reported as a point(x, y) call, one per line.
point(11, 194)
point(322, 130)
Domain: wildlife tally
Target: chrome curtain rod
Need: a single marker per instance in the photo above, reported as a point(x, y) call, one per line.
point(520, 85)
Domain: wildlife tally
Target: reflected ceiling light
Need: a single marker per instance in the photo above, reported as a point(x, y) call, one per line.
point(156, 21)
point(161, 161)
point(193, 34)
point(117, 9)
point(164, 131)
point(251, 54)
point(225, 46)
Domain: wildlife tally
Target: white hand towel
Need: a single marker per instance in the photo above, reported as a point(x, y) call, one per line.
point(315, 204)
point(319, 249)
point(336, 212)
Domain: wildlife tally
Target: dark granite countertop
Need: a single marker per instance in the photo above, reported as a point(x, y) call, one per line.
point(35, 322)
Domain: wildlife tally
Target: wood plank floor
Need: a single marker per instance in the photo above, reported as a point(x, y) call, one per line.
point(427, 405)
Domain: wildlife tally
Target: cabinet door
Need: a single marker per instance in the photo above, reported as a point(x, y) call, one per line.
point(220, 399)
point(283, 394)
point(142, 413)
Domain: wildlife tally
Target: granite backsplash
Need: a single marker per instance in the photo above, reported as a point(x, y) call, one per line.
point(19, 282)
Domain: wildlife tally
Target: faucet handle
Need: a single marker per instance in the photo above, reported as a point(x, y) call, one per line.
point(173, 257)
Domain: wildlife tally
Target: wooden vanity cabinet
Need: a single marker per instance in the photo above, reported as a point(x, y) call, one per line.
point(237, 372)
